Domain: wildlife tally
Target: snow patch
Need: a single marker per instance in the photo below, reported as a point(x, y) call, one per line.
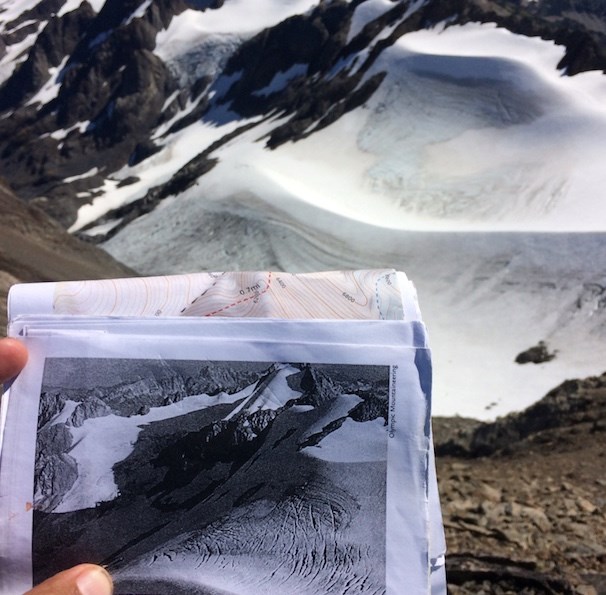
point(239, 17)
point(179, 148)
point(62, 133)
point(272, 396)
point(65, 413)
point(339, 408)
point(10, 10)
point(353, 442)
point(17, 53)
point(102, 442)
point(103, 228)
point(365, 13)
point(89, 174)
point(139, 12)
point(50, 89)
point(281, 79)
point(71, 5)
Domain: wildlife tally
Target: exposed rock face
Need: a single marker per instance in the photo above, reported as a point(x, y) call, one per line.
point(90, 408)
point(112, 89)
point(55, 471)
point(57, 40)
point(370, 408)
point(212, 379)
point(316, 387)
point(136, 398)
point(56, 474)
point(168, 385)
point(51, 403)
point(55, 439)
point(573, 402)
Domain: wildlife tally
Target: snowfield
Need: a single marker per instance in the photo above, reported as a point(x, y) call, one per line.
point(456, 138)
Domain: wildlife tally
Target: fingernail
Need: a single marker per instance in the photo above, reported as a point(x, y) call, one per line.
point(94, 581)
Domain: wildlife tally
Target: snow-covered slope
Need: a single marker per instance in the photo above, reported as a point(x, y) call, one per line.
point(440, 138)
point(457, 137)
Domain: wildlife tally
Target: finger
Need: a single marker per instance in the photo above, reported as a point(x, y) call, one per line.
point(13, 357)
point(85, 579)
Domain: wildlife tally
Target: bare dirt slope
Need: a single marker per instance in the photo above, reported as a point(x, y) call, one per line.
point(34, 248)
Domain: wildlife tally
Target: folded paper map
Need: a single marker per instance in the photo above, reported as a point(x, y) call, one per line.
point(223, 433)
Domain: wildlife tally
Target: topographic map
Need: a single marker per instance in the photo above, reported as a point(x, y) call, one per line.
point(365, 295)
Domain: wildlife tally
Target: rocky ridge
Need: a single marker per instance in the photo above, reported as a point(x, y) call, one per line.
point(523, 497)
point(167, 385)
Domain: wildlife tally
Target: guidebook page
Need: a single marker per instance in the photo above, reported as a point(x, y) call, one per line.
point(220, 455)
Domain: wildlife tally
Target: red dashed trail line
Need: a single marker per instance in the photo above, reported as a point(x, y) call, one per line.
point(245, 299)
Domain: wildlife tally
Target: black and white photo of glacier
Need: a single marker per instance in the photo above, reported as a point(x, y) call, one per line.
point(213, 477)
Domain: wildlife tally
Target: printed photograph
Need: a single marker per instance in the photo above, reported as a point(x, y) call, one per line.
point(213, 477)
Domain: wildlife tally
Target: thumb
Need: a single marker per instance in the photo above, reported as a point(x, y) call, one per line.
point(85, 579)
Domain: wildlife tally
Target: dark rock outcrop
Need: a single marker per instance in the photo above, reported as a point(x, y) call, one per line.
point(527, 516)
point(317, 388)
point(51, 404)
point(372, 407)
point(538, 354)
point(57, 41)
point(111, 96)
point(470, 573)
point(212, 379)
point(136, 398)
point(55, 476)
point(92, 407)
point(162, 387)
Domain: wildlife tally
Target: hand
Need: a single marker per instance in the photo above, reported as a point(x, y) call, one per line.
point(85, 579)
point(13, 357)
